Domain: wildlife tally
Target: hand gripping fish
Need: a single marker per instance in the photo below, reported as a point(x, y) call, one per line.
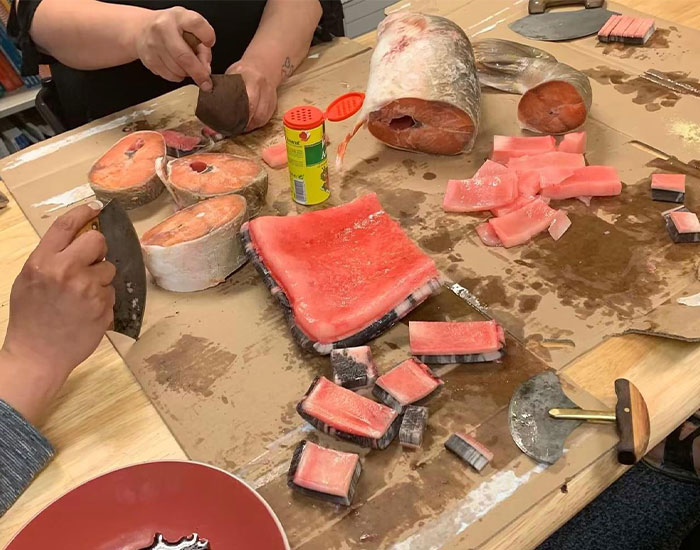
point(423, 93)
point(555, 99)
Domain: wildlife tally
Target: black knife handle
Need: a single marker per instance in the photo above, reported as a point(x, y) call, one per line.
point(540, 6)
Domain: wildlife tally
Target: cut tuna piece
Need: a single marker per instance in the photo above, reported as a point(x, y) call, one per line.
point(596, 181)
point(205, 175)
point(197, 247)
point(529, 183)
point(574, 142)
point(353, 368)
point(520, 226)
point(456, 342)
point(126, 173)
point(559, 225)
point(682, 225)
point(488, 235)
point(407, 383)
point(323, 473)
point(347, 415)
point(480, 193)
point(491, 168)
point(668, 187)
point(470, 450)
point(507, 147)
point(343, 275)
point(605, 30)
point(547, 161)
point(180, 144)
point(415, 419)
point(508, 208)
point(275, 156)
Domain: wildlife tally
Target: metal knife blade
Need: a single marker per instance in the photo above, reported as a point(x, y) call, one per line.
point(562, 25)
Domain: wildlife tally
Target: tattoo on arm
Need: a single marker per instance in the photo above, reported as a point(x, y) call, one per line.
point(287, 68)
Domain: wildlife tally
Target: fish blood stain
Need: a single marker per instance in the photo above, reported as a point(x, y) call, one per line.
point(198, 166)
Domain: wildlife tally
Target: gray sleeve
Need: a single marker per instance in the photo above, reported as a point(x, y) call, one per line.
point(24, 452)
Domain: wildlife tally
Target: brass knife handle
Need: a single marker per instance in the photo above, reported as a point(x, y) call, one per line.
point(580, 414)
point(540, 6)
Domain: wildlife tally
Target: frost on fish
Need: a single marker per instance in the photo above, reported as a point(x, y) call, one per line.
point(556, 98)
point(423, 93)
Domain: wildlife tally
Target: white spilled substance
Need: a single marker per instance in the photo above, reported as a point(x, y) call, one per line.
point(693, 301)
point(71, 196)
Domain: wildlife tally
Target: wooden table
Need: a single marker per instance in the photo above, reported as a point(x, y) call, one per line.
point(102, 419)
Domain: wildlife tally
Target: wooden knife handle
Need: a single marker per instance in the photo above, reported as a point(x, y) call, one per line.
point(192, 40)
point(632, 422)
point(540, 6)
point(92, 224)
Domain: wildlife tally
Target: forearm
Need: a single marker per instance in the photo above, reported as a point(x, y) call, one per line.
point(88, 34)
point(283, 37)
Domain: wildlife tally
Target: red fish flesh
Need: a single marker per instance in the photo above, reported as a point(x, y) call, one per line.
point(407, 383)
point(574, 142)
point(275, 156)
point(181, 145)
point(589, 181)
point(512, 207)
point(556, 98)
point(668, 187)
point(520, 226)
point(529, 183)
point(470, 450)
point(324, 473)
point(488, 235)
point(682, 225)
point(456, 342)
point(353, 368)
point(415, 419)
point(480, 193)
point(491, 168)
point(546, 161)
point(508, 147)
point(347, 415)
point(343, 275)
point(423, 93)
point(560, 224)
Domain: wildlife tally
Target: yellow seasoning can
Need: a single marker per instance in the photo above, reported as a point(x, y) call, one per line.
point(304, 131)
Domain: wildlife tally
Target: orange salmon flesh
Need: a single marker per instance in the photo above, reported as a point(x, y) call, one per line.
point(213, 173)
point(130, 162)
point(552, 107)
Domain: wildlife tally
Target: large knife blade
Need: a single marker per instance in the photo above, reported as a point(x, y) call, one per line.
point(561, 25)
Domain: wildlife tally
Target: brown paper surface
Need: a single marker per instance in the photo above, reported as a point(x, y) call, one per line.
point(225, 374)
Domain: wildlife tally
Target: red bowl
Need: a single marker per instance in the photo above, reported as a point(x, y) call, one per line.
point(125, 508)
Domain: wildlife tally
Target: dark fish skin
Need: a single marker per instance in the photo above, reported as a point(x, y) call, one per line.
point(415, 420)
point(457, 359)
point(665, 195)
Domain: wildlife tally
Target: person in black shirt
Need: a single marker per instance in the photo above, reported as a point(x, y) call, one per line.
point(109, 55)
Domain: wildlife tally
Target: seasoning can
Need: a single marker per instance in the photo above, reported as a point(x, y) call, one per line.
point(304, 131)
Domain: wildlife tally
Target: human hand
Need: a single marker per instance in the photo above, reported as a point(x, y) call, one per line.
point(60, 307)
point(163, 50)
point(262, 92)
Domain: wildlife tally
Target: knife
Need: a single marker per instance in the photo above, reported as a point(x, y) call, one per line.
point(562, 25)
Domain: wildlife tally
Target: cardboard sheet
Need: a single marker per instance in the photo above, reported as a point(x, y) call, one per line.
point(225, 374)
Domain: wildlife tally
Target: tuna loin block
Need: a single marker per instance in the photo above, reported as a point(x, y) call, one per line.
point(343, 275)
point(668, 187)
point(340, 412)
point(470, 450)
point(456, 342)
point(409, 382)
point(682, 225)
point(413, 426)
point(324, 473)
point(353, 367)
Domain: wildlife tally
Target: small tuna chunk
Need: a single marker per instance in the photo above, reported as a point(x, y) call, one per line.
point(686, 222)
point(554, 159)
point(470, 450)
point(407, 383)
point(560, 224)
point(529, 183)
point(682, 225)
point(481, 192)
point(415, 419)
point(668, 187)
point(488, 235)
point(456, 339)
point(491, 168)
point(275, 156)
point(507, 147)
point(512, 207)
point(520, 226)
point(595, 181)
point(353, 368)
point(574, 142)
point(324, 473)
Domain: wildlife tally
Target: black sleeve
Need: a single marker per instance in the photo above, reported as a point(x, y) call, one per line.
point(21, 17)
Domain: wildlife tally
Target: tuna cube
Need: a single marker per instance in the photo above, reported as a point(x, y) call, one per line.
point(353, 368)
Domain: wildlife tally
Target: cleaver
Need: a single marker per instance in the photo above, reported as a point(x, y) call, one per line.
point(124, 252)
point(561, 25)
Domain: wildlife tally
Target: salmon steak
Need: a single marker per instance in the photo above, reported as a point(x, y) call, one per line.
point(205, 175)
point(197, 247)
point(556, 98)
point(456, 342)
point(324, 473)
point(126, 172)
point(409, 382)
point(423, 92)
point(343, 275)
point(347, 415)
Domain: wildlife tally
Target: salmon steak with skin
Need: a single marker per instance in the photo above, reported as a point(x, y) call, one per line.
point(197, 247)
point(347, 415)
point(324, 473)
point(126, 172)
point(206, 175)
point(343, 275)
point(456, 342)
point(422, 93)
point(409, 382)
point(556, 98)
